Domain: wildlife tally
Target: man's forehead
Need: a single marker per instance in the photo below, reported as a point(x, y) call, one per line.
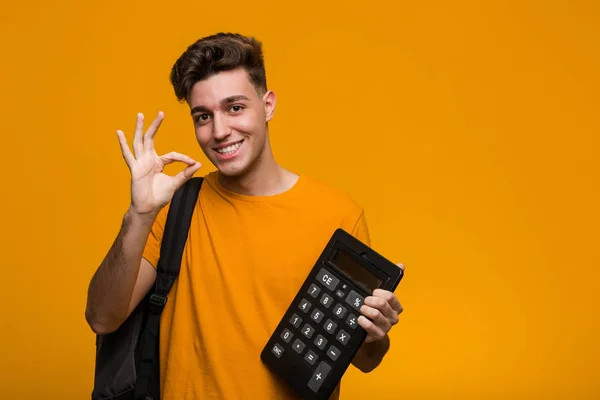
point(221, 86)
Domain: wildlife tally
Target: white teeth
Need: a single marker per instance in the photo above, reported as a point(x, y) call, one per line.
point(230, 149)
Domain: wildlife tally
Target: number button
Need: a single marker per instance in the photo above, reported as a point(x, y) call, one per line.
point(326, 300)
point(339, 311)
point(295, 320)
point(320, 342)
point(314, 290)
point(330, 326)
point(317, 315)
point(327, 279)
point(305, 305)
point(308, 331)
point(351, 321)
point(343, 337)
point(286, 335)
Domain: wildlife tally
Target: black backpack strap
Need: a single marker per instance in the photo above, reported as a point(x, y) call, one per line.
point(171, 251)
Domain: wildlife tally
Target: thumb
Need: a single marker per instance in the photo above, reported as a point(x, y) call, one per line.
point(185, 175)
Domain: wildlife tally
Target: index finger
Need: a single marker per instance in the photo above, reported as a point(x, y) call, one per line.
point(152, 129)
point(390, 298)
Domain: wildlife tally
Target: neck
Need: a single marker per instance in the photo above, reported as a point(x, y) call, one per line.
point(265, 178)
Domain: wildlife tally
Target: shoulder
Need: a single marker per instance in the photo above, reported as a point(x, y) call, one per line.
point(332, 195)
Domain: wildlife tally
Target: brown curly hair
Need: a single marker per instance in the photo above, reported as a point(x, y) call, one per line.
point(213, 54)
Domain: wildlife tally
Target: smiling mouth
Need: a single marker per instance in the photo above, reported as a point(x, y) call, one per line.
point(229, 149)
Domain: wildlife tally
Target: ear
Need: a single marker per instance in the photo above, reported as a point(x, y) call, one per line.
point(269, 101)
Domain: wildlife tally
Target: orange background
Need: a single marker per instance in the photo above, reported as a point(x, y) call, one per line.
point(468, 130)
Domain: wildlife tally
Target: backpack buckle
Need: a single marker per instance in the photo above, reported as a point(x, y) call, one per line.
point(157, 302)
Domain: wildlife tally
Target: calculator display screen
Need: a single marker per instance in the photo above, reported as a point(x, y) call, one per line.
point(355, 270)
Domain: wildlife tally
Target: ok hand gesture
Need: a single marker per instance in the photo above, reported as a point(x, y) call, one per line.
point(151, 189)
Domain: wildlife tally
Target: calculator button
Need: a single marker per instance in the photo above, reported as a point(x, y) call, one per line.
point(327, 279)
point(314, 290)
point(330, 326)
point(277, 350)
point(333, 352)
point(311, 357)
point(286, 335)
point(339, 311)
point(340, 294)
point(308, 331)
point(317, 315)
point(343, 337)
point(298, 346)
point(295, 320)
point(351, 321)
point(319, 376)
point(320, 342)
point(355, 300)
point(326, 300)
point(305, 305)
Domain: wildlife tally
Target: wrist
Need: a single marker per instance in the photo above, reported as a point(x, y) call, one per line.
point(140, 219)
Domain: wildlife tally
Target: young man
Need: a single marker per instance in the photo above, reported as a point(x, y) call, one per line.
point(256, 232)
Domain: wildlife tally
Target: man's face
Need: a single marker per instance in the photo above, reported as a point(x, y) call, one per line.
point(231, 120)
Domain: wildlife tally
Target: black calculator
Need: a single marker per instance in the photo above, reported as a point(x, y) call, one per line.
point(318, 336)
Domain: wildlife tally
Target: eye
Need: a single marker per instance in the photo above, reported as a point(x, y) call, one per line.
point(201, 118)
point(236, 108)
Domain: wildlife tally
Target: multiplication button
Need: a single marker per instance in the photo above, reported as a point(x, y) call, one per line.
point(343, 337)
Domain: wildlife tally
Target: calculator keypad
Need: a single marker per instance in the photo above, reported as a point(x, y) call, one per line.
point(322, 324)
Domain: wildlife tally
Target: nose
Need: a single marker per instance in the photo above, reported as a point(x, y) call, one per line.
point(220, 128)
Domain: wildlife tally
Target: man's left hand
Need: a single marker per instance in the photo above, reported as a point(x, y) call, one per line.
point(382, 309)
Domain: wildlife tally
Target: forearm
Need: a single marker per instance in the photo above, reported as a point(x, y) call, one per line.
point(370, 355)
point(111, 287)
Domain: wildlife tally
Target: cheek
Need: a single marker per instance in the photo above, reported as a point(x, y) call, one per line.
point(203, 136)
point(248, 124)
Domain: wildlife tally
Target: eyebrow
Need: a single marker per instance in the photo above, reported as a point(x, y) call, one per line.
point(223, 102)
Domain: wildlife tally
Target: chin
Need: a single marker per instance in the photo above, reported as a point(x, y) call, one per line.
point(232, 171)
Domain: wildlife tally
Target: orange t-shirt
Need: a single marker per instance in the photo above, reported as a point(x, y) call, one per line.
point(245, 259)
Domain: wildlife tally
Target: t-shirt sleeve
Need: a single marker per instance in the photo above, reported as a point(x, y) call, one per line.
point(361, 230)
point(152, 249)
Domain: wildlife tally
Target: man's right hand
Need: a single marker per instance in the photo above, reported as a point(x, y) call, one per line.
point(151, 189)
